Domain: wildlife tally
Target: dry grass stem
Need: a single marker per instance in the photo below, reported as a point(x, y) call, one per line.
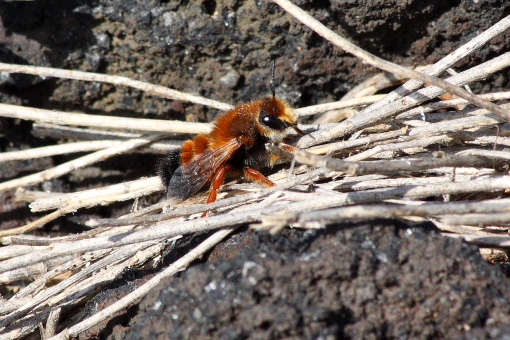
point(171, 229)
point(35, 224)
point(52, 322)
point(78, 163)
point(116, 257)
point(366, 119)
point(93, 197)
point(371, 59)
point(367, 182)
point(137, 294)
point(496, 218)
point(446, 62)
point(112, 122)
point(389, 167)
point(367, 88)
point(486, 153)
point(60, 149)
point(424, 142)
point(333, 148)
point(312, 110)
point(420, 110)
point(484, 241)
point(483, 119)
point(39, 284)
point(65, 132)
point(69, 132)
point(32, 271)
point(368, 212)
point(151, 89)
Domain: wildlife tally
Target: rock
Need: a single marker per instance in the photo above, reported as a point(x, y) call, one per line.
point(366, 281)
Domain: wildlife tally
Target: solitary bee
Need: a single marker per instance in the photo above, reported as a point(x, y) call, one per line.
point(235, 147)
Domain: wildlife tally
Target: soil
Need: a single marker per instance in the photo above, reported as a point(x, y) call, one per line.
point(394, 282)
point(384, 280)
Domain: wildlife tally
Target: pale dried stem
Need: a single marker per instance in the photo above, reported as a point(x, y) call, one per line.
point(311, 110)
point(423, 142)
point(420, 110)
point(105, 195)
point(17, 250)
point(388, 167)
point(44, 241)
point(364, 120)
point(482, 120)
point(137, 294)
point(110, 122)
point(371, 59)
point(458, 229)
point(367, 88)
point(32, 271)
point(116, 257)
point(73, 294)
point(46, 130)
point(52, 322)
point(43, 130)
point(78, 163)
point(54, 150)
point(171, 229)
point(24, 195)
point(368, 212)
point(486, 153)
point(446, 62)
point(40, 283)
point(368, 182)
point(494, 218)
point(35, 224)
point(484, 241)
point(333, 148)
point(151, 89)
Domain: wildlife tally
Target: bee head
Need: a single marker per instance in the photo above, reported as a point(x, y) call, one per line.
point(276, 119)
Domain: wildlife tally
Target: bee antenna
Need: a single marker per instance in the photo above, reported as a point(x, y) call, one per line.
point(273, 66)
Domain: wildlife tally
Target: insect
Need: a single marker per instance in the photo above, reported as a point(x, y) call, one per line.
point(234, 147)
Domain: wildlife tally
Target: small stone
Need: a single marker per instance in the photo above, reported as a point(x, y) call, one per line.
point(231, 79)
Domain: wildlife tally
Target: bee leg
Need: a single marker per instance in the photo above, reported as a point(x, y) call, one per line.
point(287, 147)
point(254, 175)
point(216, 183)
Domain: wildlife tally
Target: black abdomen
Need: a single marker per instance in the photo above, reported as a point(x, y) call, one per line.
point(167, 165)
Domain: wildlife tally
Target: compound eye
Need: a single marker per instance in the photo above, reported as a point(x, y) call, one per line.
point(272, 122)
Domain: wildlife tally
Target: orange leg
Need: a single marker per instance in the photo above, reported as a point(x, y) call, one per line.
point(216, 183)
point(287, 147)
point(257, 176)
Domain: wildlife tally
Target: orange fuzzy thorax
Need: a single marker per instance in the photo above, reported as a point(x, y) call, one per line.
point(241, 123)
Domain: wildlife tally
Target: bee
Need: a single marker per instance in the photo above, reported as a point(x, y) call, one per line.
point(235, 147)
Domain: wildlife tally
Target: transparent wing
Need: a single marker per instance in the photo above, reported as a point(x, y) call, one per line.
point(189, 178)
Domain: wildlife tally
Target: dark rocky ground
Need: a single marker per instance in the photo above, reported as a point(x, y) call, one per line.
point(380, 280)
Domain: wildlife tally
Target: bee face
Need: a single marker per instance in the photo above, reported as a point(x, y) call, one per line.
point(276, 119)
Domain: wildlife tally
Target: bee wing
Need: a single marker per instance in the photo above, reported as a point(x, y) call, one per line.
point(189, 178)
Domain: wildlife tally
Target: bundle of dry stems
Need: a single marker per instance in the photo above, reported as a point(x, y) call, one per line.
point(401, 150)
